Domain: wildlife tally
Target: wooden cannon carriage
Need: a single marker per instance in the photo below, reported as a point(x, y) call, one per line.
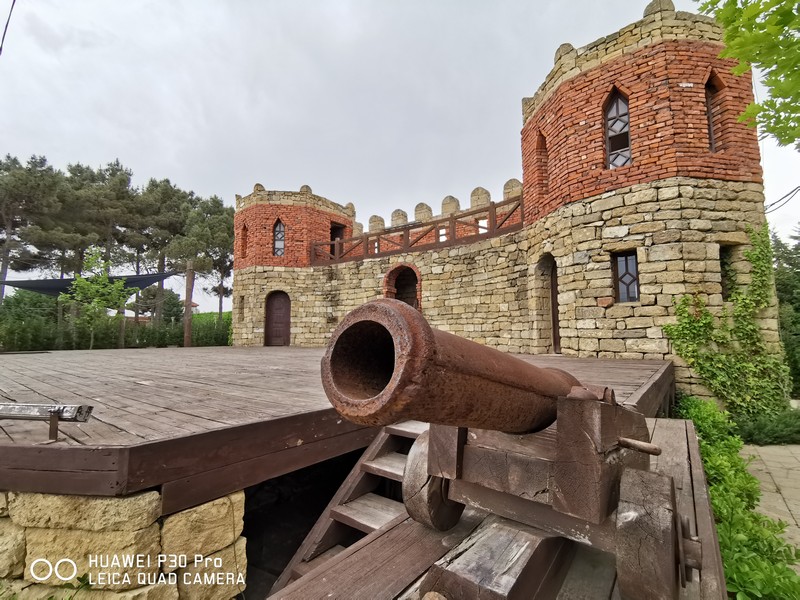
point(487, 449)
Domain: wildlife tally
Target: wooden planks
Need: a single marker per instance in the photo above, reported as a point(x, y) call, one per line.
point(200, 420)
point(381, 565)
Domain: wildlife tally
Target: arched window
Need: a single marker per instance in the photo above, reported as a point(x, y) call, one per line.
point(278, 238)
point(243, 243)
point(618, 136)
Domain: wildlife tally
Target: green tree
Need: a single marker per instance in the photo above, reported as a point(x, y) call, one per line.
point(219, 249)
point(172, 309)
point(26, 194)
point(106, 199)
point(787, 286)
point(167, 208)
point(96, 293)
point(765, 34)
point(187, 253)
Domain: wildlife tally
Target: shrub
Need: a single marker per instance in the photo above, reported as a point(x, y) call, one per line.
point(756, 559)
point(766, 430)
point(208, 330)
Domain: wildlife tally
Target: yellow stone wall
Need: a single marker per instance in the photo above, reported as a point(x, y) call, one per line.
point(89, 531)
point(492, 291)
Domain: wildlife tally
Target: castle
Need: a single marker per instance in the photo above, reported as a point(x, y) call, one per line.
point(638, 186)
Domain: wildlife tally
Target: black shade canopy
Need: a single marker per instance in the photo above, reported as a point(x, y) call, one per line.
point(55, 287)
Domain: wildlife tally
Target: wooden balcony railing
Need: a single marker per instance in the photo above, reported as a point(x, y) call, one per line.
point(462, 228)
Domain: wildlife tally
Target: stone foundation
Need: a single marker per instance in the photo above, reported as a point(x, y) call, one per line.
point(121, 547)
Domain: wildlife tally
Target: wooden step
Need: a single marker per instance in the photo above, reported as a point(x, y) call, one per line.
point(368, 513)
point(390, 465)
point(304, 567)
point(409, 429)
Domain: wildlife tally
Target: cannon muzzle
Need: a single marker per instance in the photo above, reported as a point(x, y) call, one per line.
point(385, 363)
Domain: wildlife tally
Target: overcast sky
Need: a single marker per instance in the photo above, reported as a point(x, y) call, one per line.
point(381, 103)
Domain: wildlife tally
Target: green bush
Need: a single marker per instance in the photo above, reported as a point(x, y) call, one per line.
point(756, 559)
point(30, 322)
point(767, 430)
point(208, 330)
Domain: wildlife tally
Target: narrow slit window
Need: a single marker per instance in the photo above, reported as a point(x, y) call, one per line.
point(714, 111)
point(727, 271)
point(278, 239)
point(443, 234)
point(244, 241)
point(618, 137)
point(626, 276)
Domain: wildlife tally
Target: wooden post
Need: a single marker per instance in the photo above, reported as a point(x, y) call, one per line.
point(187, 305)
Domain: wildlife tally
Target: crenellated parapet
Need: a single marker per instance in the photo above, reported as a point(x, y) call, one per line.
point(661, 22)
point(450, 207)
point(305, 198)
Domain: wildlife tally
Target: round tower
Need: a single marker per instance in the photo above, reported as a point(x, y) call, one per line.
point(275, 234)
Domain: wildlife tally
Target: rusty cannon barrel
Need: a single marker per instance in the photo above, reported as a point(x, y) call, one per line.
point(385, 363)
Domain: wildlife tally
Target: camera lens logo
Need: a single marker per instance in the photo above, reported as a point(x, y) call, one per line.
point(65, 569)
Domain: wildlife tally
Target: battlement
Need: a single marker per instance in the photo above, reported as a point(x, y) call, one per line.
point(660, 23)
point(305, 197)
point(450, 206)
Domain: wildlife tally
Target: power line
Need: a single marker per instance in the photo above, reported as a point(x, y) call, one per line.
point(5, 29)
point(782, 201)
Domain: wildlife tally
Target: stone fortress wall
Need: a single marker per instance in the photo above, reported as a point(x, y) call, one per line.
point(684, 202)
point(51, 527)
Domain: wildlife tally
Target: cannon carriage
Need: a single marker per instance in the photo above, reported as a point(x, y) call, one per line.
point(531, 445)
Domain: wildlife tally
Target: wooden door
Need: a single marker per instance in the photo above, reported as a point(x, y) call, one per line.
point(278, 320)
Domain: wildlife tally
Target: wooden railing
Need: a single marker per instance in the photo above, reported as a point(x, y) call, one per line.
point(462, 228)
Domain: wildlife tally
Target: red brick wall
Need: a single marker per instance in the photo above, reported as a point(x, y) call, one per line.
point(668, 126)
point(302, 226)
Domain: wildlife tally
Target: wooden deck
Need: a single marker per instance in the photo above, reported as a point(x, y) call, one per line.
point(199, 423)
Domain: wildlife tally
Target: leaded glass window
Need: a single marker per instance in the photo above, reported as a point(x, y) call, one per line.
point(626, 276)
point(278, 239)
point(618, 137)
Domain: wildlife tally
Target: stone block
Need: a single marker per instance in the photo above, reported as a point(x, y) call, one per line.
point(619, 311)
point(609, 345)
point(79, 546)
point(12, 549)
point(660, 346)
point(665, 252)
point(204, 529)
point(694, 251)
point(19, 589)
point(90, 513)
point(209, 582)
point(605, 301)
point(666, 237)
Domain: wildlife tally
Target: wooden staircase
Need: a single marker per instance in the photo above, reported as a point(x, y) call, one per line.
point(369, 498)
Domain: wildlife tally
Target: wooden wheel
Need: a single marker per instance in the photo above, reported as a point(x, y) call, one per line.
point(425, 496)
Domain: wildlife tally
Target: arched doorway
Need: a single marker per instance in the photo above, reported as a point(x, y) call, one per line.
point(547, 301)
point(277, 319)
point(402, 283)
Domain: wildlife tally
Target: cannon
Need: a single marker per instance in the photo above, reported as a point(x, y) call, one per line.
point(530, 444)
